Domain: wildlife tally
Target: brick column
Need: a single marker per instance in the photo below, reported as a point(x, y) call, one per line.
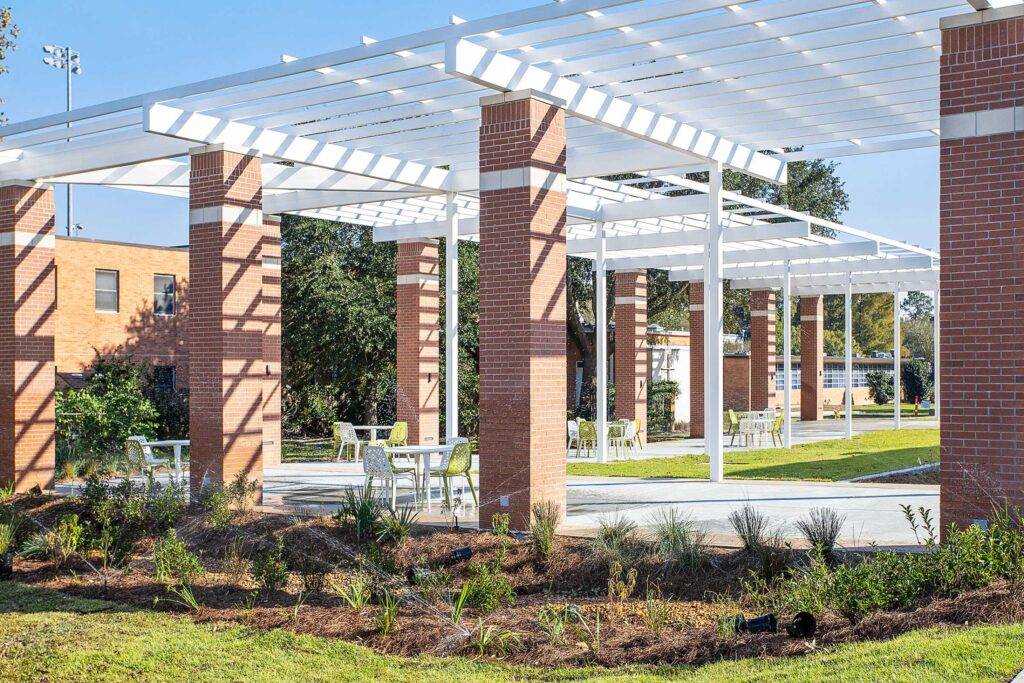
point(418, 339)
point(227, 372)
point(522, 305)
point(696, 290)
point(270, 304)
point(27, 311)
point(762, 349)
point(981, 236)
point(631, 346)
point(812, 357)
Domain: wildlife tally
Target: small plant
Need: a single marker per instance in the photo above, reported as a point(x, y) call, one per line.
point(492, 640)
point(545, 516)
point(589, 635)
point(235, 563)
point(620, 584)
point(215, 502)
point(435, 584)
point(925, 528)
point(388, 615)
point(751, 526)
point(488, 588)
point(678, 544)
point(617, 543)
point(657, 612)
point(174, 563)
point(8, 537)
point(6, 491)
point(183, 597)
point(249, 601)
point(501, 523)
point(554, 621)
point(313, 572)
point(269, 567)
point(821, 530)
point(459, 603)
point(65, 540)
point(362, 510)
point(395, 526)
point(300, 600)
point(243, 493)
point(37, 546)
point(356, 593)
point(771, 556)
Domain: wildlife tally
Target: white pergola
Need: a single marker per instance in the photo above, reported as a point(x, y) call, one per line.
point(384, 134)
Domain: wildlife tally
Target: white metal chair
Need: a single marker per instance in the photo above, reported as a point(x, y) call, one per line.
point(140, 454)
point(630, 439)
point(377, 465)
point(573, 428)
point(347, 439)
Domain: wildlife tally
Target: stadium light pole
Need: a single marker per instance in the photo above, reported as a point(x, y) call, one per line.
point(69, 60)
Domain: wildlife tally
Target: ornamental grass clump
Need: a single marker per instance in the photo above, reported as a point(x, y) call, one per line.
point(617, 543)
point(751, 526)
point(545, 518)
point(677, 542)
point(821, 530)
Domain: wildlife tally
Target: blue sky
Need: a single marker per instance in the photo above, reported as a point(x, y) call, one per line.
point(130, 47)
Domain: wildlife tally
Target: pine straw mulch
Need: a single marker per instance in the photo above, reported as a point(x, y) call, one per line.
point(698, 600)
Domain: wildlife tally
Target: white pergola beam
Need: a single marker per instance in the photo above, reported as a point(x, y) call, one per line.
point(505, 73)
point(837, 279)
point(654, 208)
point(819, 267)
point(766, 255)
point(682, 238)
point(210, 130)
point(876, 288)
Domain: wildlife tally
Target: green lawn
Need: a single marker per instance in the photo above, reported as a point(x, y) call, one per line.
point(295, 450)
point(48, 636)
point(906, 411)
point(822, 461)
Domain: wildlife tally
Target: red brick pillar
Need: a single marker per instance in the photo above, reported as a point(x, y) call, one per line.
point(27, 308)
point(227, 372)
point(981, 236)
point(812, 357)
point(522, 305)
point(696, 290)
point(418, 339)
point(270, 304)
point(631, 346)
point(762, 349)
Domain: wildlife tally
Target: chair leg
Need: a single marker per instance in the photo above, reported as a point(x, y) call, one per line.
point(394, 493)
point(447, 493)
point(472, 489)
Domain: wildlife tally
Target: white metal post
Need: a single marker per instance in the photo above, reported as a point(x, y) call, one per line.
point(849, 356)
point(896, 389)
point(713, 321)
point(787, 359)
point(71, 224)
point(451, 320)
point(601, 337)
point(935, 349)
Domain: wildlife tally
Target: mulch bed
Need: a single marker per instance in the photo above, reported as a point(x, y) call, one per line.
point(699, 600)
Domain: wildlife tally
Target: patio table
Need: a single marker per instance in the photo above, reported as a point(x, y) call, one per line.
point(373, 429)
point(754, 426)
point(177, 445)
point(421, 455)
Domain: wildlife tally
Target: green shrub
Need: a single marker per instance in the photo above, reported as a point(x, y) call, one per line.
point(362, 510)
point(65, 540)
point(215, 502)
point(174, 563)
point(395, 526)
point(880, 386)
point(617, 542)
point(885, 581)
point(269, 567)
point(489, 589)
point(243, 493)
point(661, 398)
point(916, 379)
point(7, 538)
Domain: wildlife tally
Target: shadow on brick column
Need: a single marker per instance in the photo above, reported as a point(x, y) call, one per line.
point(27, 311)
point(981, 237)
point(812, 357)
point(522, 306)
point(227, 372)
point(418, 339)
point(762, 350)
point(631, 347)
point(696, 294)
point(270, 315)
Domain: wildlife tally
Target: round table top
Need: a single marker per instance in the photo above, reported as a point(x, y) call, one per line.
point(423, 448)
point(169, 442)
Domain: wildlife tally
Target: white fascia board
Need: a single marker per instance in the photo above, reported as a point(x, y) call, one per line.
point(654, 208)
point(469, 227)
point(864, 148)
point(825, 266)
point(501, 72)
point(767, 255)
point(300, 200)
point(768, 231)
point(885, 288)
point(838, 280)
point(209, 130)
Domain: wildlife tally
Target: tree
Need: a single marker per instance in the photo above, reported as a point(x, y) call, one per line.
point(918, 306)
point(8, 41)
point(880, 386)
point(872, 321)
point(916, 379)
point(835, 343)
point(918, 338)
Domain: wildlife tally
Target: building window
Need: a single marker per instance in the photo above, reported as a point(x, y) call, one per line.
point(780, 377)
point(163, 376)
point(106, 291)
point(163, 294)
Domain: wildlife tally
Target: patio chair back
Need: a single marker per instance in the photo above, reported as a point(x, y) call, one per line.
point(376, 462)
point(574, 428)
point(588, 430)
point(631, 430)
point(455, 439)
point(458, 460)
point(777, 424)
point(346, 433)
point(399, 435)
point(733, 421)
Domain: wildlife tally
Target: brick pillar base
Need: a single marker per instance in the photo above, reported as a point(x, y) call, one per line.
point(812, 353)
point(270, 304)
point(981, 235)
point(631, 346)
point(522, 306)
point(418, 339)
point(762, 350)
point(696, 291)
point(227, 372)
point(27, 308)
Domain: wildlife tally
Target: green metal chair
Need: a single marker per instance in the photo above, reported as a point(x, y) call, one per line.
point(732, 425)
point(588, 437)
point(776, 430)
point(617, 436)
point(399, 435)
point(456, 463)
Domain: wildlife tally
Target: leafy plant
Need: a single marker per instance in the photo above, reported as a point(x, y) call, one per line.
point(459, 603)
point(184, 597)
point(924, 528)
point(396, 525)
point(216, 503)
point(657, 612)
point(242, 492)
point(6, 491)
point(388, 615)
point(916, 379)
point(821, 530)
point(589, 635)
point(8, 535)
point(313, 571)
point(269, 567)
point(772, 557)
point(880, 386)
point(677, 542)
point(501, 523)
point(235, 563)
point(554, 620)
point(64, 540)
point(617, 543)
point(356, 593)
point(620, 584)
point(362, 509)
point(751, 526)
point(174, 563)
point(434, 584)
point(488, 588)
point(545, 518)
point(494, 640)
